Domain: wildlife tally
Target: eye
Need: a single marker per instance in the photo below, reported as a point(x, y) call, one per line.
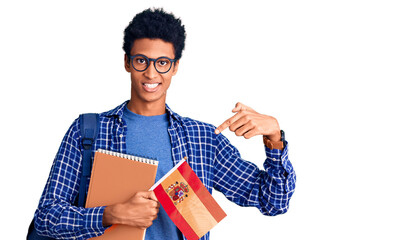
point(140, 60)
point(163, 63)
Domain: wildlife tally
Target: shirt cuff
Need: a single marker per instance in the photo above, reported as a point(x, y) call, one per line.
point(275, 153)
point(277, 158)
point(277, 164)
point(93, 221)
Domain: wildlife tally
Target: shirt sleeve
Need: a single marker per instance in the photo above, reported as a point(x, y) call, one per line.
point(56, 215)
point(245, 184)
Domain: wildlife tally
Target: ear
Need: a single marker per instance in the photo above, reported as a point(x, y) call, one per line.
point(175, 68)
point(127, 64)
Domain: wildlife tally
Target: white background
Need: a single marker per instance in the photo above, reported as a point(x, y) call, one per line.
point(332, 72)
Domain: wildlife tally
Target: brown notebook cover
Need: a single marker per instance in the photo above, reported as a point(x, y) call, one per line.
point(115, 178)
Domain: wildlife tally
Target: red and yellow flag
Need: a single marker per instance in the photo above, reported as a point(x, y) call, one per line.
point(187, 201)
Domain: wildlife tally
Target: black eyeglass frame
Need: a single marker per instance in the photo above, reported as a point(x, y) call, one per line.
point(149, 62)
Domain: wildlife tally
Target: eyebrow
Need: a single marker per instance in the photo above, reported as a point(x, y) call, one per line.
point(153, 58)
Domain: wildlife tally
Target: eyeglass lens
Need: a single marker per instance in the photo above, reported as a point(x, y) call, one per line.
point(141, 63)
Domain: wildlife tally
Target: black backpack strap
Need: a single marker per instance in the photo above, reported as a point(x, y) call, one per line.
point(89, 126)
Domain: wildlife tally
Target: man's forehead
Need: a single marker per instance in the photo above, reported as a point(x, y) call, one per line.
point(153, 48)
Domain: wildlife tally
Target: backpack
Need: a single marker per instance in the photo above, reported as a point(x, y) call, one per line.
point(89, 127)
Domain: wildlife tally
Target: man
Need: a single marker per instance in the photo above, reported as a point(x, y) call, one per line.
point(145, 125)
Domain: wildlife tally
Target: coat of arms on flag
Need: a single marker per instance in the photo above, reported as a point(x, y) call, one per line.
point(178, 191)
point(187, 201)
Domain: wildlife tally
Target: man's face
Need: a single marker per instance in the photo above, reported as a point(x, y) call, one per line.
point(150, 86)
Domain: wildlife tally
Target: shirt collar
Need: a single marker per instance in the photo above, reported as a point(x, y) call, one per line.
point(119, 112)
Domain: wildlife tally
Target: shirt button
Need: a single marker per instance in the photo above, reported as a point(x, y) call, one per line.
point(121, 135)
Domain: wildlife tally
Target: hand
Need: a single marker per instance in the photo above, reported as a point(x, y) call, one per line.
point(248, 123)
point(139, 211)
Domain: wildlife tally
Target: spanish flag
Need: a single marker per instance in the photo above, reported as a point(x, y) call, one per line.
point(187, 201)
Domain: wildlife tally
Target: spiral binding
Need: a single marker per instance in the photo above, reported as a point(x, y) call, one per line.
point(130, 157)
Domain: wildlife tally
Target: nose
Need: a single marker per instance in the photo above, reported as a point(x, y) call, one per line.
point(150, 72)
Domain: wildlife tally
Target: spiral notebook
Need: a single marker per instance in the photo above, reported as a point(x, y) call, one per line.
point(115, 178)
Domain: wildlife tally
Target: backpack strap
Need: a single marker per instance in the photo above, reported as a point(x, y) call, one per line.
point(89, 126)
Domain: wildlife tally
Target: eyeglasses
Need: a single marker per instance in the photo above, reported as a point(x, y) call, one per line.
point(141, 62)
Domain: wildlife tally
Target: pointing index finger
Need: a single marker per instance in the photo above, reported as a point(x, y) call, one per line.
point(223, 126)
point(227, 123)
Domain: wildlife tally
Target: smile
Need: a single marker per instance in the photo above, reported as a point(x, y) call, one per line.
point(151, 85)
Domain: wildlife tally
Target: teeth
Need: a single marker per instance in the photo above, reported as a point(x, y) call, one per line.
point(154, 85)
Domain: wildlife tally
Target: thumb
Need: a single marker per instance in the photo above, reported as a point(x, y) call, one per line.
point(152, 196)
point(145, 194)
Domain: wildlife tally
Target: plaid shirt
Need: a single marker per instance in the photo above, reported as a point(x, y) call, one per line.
point(216, 162)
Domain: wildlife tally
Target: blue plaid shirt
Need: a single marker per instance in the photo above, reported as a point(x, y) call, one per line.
point(216, 162)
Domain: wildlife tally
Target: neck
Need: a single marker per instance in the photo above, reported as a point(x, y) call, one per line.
point(147, 109)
